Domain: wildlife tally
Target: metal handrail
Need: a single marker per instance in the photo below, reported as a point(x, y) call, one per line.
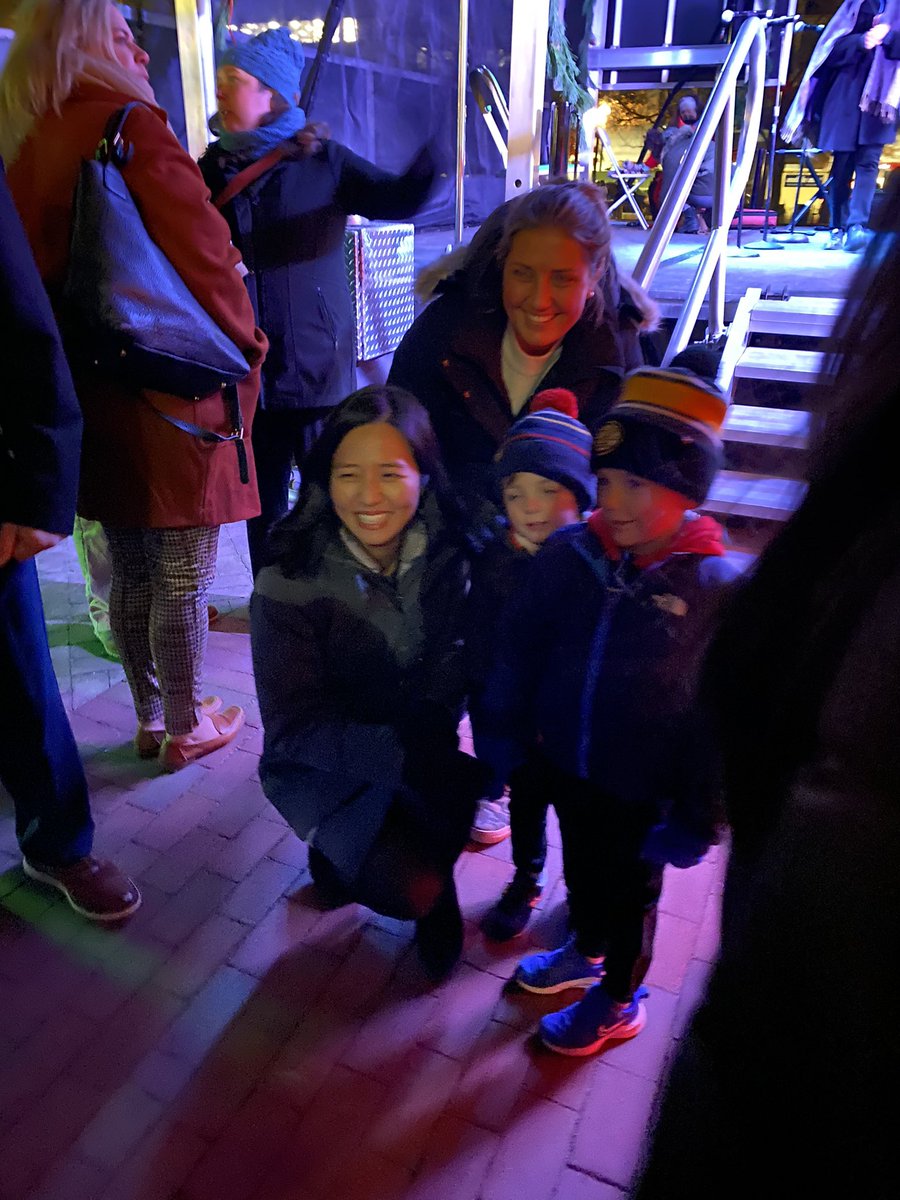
point(493, 107)
point(749, 48)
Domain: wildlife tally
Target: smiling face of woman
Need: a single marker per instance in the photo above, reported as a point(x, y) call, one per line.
point(375, 488)
point(547, 280)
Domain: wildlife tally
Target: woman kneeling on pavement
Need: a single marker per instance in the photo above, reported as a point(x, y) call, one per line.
point(356, 630)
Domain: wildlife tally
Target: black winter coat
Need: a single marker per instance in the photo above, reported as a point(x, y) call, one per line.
point(360, 685)
point(450, 360)
point(499, 573)
point(289, 227)
point(598, 661)
point(40, 420)
point(842, 125)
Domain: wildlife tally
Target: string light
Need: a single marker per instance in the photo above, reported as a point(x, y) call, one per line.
point(309, 32)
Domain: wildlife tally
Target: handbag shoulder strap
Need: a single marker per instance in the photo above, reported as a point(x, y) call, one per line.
point(244, 178)
point(112, 146)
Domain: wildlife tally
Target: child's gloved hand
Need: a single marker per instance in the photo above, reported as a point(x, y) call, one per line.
point(673, 844)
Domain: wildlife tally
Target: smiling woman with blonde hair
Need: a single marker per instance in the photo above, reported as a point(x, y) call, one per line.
point(159, 491)
point(536, 303)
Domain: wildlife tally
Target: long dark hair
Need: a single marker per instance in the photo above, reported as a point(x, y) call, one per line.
point(297, 541)
point(785, 633)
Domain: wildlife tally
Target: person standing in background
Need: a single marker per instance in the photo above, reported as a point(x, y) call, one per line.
point(288, 223)
point(160, 491)
point(847, 103)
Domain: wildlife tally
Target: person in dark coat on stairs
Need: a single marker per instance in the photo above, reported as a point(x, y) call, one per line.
point(357, 650)
point(535, 303)
point(847, 103)
point(289, 227)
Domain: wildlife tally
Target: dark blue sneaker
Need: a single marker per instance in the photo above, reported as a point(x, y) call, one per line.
point(585, 1027)
point(556, 970)
point(512, 912)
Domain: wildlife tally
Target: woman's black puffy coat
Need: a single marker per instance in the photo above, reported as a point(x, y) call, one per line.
point(361, 686)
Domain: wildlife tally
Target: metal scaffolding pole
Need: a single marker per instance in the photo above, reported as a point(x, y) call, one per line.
point(462, 76)
point(527, 76)
point(194, 30)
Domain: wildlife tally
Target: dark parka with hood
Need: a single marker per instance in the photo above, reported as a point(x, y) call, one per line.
point(598, 663)
point(361, 687)
point(450, 358)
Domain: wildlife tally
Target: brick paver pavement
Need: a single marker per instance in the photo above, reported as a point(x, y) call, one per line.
point(232, 1042)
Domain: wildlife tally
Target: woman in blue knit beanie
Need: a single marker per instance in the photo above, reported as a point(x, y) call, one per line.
point(288, 224)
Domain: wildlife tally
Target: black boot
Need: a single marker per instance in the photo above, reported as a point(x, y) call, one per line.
point(439, 935)
point(330, 891)
point(512, 912)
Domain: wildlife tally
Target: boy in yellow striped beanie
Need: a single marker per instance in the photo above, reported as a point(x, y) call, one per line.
point(597, 666)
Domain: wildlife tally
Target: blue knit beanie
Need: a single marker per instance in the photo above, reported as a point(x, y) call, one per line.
point(272, 57)
point(552, 442)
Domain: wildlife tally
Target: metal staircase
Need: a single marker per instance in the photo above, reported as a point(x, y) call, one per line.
point(770, 432)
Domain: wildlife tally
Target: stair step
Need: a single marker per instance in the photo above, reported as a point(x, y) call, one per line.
point(803, 316)
point(790, 366)
point(767, 426)
point(741, 494)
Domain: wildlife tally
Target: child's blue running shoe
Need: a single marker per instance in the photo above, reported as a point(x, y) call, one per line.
point(556, 970)
point(585, 1027)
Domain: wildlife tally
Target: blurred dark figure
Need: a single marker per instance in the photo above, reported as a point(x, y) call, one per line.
point(786, 1083)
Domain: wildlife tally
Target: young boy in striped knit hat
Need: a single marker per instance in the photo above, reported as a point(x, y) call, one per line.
point(597, 668)
point(543, 474)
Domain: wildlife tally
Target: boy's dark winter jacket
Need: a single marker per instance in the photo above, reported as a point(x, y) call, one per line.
point(498, 573)
point(598, 662)
point(360, 685)
point(289, 227)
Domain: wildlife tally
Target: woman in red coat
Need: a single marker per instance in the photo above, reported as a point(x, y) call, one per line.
point(159, 492)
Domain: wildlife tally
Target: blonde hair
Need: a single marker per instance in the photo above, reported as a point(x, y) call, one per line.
point(57, 43)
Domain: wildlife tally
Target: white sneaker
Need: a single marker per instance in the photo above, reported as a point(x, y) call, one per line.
point(491, 824)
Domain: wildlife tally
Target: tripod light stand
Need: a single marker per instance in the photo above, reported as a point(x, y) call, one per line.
point(781, 25)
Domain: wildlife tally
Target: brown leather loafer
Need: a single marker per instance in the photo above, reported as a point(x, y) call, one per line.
point(148, 741)
point(175, 755)
point(96, 890)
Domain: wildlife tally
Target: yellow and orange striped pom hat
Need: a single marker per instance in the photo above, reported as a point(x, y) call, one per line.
point(665, 427)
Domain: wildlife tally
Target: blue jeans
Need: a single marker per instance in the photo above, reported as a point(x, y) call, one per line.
point(39, 762)
point(853, 207)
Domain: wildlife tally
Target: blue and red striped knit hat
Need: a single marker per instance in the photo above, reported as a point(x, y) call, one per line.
point(550, 441)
